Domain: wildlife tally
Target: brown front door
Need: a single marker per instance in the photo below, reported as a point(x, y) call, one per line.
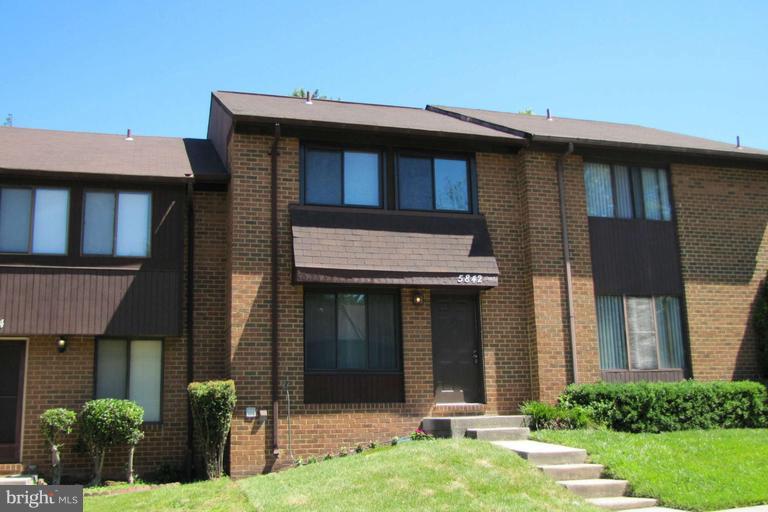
point(11, 398)
point(456, 354)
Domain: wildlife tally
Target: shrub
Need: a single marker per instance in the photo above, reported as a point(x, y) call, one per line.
point(669, 406)
point(107, 422)
point(213, 403)
point(760, 324)
point(545, 416)
point(420, 435)
point(54, 425)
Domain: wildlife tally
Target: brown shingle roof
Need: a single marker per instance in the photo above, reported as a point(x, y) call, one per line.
point(391, 248)
point(33, 150)
point(559, 129)
point(363, 116)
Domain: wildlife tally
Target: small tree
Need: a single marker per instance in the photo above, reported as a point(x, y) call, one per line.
point(55, 424)
point(107, 422)
point(213, 403)
point(760, 323)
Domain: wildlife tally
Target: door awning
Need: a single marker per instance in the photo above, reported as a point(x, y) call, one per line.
point(375, 247)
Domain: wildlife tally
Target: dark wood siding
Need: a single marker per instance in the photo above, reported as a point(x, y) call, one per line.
point(344, 388)
point(634, 257)
point(98, 295)
point(670, 375)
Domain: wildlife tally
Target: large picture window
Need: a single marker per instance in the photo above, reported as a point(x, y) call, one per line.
point(34, 220)
point(627, 192)
point(342, 177)
point(133, 370)
point(117, 223)
point(430, 183)
point(640, 333)
point(356, 331)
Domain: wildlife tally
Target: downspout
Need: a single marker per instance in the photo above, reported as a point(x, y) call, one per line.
point(190, 321)
point(567, 259)
point(274, 296)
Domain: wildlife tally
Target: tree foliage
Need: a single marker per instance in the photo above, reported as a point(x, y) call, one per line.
point(213, 403)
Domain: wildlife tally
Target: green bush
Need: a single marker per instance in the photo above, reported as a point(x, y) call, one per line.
point(760, 324)
point(213, 403)
point(669, 406)
point(55, 424)
point(107, 422)
point(545, 416)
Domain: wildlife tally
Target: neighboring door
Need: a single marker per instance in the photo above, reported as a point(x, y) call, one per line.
point(11, 398)
point(456, 354)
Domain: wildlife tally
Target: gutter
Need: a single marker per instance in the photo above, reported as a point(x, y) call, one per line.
point(274, 295)
point(567, 259)
point(190, 292)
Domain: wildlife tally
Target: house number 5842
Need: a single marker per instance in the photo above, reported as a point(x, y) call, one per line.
point(468, 278)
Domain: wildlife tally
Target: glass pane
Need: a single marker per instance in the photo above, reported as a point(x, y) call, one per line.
point(651, 196)
point(669, 324)
point(382, 332)
point(610, 331)
point(15, 206)
point(111, 369)
point(320, 330)
point(641, 332)
point(134, 211)
point(98, 222)
point(49, 235)
point(666, 207)
point(361, 179)
point(451, 185)
point(597, 181)
point(623, 192)
point(322, 177)
point(351, 326)
point(415, 183)
point(146, 376)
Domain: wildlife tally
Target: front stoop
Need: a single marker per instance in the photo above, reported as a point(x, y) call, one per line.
point(457, 426)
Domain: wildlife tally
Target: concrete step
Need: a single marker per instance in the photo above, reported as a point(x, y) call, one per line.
point(622, 503)
point(498, 434)
point(17, 480)
point(572, 471)
point(456, 426)
point(596, 487)
point(544, 453)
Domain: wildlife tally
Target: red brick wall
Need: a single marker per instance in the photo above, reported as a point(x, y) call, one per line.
point(721, 223)
point(66, 380)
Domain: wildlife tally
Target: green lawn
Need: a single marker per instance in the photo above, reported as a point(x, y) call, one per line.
point(692, 470)
point(435, 475)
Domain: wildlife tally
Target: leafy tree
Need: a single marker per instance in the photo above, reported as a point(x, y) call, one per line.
point(55, 424)
point(302, 93)
point(213, 403)
point(526, 111)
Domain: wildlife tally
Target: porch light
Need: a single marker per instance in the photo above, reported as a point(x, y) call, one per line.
point(61, 344)
point(418, 298)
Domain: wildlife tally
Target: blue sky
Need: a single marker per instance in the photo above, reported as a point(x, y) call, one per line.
point(695, 67)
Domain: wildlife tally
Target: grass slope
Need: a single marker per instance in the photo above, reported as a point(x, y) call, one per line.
point(693, 470)
point(449, 475)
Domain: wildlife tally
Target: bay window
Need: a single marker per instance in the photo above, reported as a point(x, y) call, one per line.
point(34, 220)
point(640, 333)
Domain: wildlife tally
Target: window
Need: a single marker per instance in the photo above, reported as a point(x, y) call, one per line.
point(339, 177)
point(426, 183)
point(34, 220)
point(640, 333)
point(627, 192)
point(133, 370)
point(351, 331)
point(117, 223)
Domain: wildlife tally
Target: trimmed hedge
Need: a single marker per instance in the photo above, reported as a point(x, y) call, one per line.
point(669, 406)
point(213, 403)
point(545, 416)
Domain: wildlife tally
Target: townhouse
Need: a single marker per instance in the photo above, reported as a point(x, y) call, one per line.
point(356, 268)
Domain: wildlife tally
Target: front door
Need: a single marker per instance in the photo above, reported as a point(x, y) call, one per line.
point(11, 398)
point(456, 349)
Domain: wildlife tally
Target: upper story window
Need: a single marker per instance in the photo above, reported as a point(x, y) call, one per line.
point(117, 223)
point(431, 183)
point(342, 177)
point(627, 192)
point(34, 220)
